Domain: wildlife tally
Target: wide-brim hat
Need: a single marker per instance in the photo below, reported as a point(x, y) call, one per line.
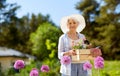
point(78, 17)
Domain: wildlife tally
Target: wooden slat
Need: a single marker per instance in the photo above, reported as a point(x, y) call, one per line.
point(82, 55)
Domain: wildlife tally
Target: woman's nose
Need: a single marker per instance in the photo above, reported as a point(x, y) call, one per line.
point(72, 24)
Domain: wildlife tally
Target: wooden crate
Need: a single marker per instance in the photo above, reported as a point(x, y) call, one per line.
point(82, 54)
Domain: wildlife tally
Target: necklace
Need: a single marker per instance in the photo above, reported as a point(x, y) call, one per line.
point(73, 36)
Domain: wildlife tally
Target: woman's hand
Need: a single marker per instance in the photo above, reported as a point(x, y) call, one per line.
point(70, 53)
point(95, 52)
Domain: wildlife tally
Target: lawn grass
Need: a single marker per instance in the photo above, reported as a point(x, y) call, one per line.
point(111, 68)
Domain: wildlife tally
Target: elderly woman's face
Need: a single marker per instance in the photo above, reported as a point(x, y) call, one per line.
point(72, 24)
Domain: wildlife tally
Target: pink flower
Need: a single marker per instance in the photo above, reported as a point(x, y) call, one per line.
point(87, 66)
point(19, 64)
point(45, 68)
point(65, 60)
point(34, 72)
point(99, 58)
point(99, 62)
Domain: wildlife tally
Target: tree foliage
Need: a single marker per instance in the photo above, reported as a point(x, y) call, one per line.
point(8, 11)
point(103, 25)
point(44, 41)
point(15, 32)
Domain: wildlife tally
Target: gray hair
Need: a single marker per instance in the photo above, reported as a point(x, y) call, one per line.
point(73, 19)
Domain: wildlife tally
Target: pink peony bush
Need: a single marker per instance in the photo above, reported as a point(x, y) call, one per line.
point(99, 62)
point(19, 64)
point(87, 66)
point(65, 60)
point(45, 68)
point(34, 72)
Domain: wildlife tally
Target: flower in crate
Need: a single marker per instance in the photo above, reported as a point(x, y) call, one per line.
point(82, 44)
point(87, 66)
point(65, 60)
point(78, 45)
point(19, 64)
point(45, 68)
point(34, 72)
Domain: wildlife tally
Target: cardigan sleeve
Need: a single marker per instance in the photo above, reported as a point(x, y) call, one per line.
point(61, 49)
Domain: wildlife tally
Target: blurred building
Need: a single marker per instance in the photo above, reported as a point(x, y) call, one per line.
point(9, 56)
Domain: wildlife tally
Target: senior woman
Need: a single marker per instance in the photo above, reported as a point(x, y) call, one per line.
point(72, 26)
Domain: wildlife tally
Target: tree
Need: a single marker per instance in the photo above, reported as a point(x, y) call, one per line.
point(7, 18)
point(29, 25)
point(43, 39)
point(15, 32)
point(102, 24)
point(7, 11)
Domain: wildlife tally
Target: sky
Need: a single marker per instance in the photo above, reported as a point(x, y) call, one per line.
point(55, 8)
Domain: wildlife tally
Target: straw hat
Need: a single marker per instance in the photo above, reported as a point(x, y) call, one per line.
point(78, 17)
